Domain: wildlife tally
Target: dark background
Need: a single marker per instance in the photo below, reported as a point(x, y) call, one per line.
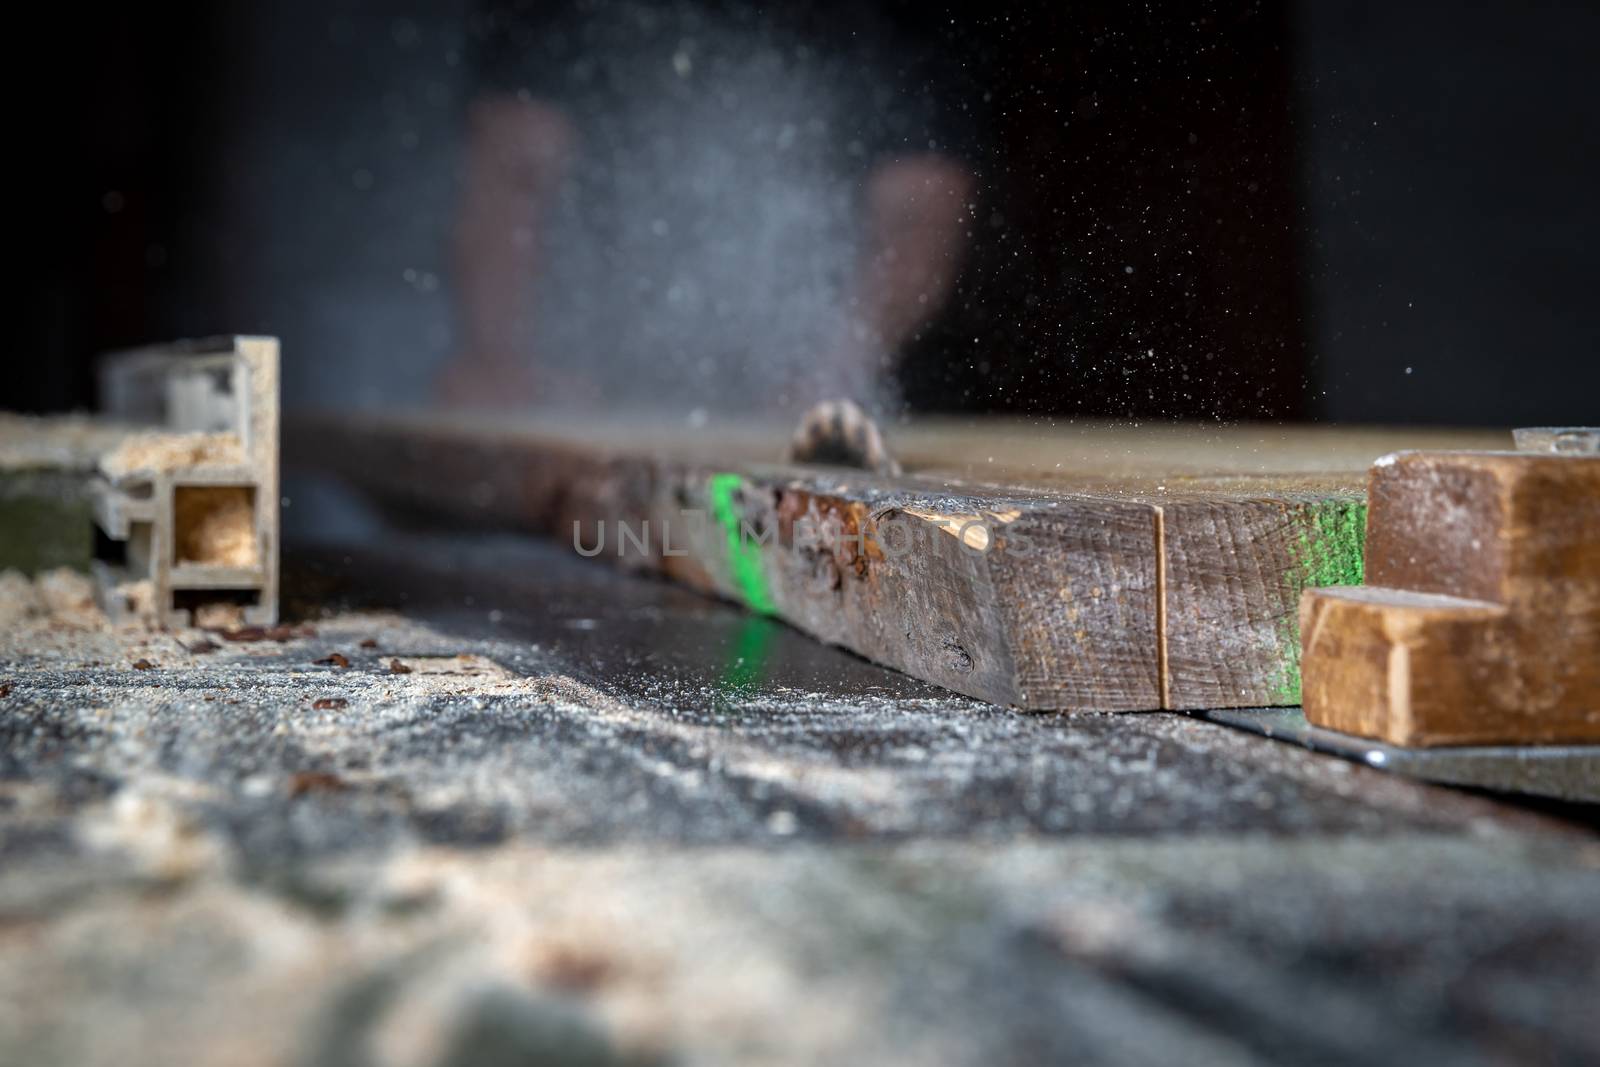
point(1306, 210)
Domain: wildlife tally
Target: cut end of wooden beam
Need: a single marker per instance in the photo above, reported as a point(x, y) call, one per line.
point(1232, 571)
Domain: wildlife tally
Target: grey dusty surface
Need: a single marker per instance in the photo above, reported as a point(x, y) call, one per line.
point(554, 813)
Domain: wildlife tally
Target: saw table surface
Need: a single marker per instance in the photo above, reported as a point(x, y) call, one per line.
point(989, 450)
point(553, 811)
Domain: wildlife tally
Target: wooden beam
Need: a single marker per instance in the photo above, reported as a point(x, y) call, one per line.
point(1086, 567)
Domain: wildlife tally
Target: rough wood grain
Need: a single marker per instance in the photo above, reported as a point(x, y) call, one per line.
point(1235, 561)
point(1127, 574)
point(1482, 620)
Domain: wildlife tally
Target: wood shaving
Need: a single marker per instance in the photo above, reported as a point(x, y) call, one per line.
point(63, 591)
point(61, 594)
point(138, 597)
point(153, 452)
point(219, 616)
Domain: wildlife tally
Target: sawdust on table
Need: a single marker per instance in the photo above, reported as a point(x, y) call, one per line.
point(161, 452)
point(219, 615)
point(138, 597)
point(17, 598)
point(61, 593)
point(64, 591)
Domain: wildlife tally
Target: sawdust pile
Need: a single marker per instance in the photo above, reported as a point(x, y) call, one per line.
point(219, 615)
point(216, 524)
point(159, 452)
point(17, 599)
point(138, 597)
point(62, 593)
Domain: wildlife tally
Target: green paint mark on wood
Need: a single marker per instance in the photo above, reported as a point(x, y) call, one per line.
point(1332, 546)
point(744, 557)
point(1329, 549)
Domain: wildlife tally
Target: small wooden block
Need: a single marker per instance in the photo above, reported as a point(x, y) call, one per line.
point(1481, 622)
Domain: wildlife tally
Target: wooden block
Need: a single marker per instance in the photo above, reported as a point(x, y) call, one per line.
point(1481, 623)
